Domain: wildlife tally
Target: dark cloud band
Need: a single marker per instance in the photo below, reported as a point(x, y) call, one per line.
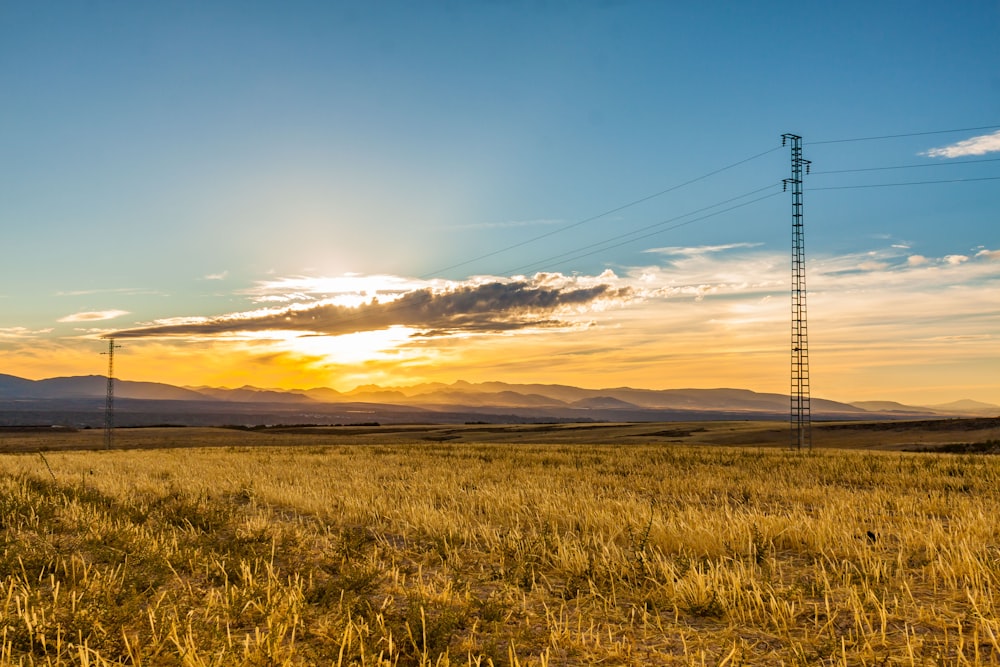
point(483, 308)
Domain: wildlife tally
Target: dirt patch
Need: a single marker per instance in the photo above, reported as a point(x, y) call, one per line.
point(935, 425)
point(988, 447)
point(673, 433)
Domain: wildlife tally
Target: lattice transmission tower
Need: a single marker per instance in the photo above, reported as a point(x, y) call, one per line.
point(109, 402)
point(801, 417)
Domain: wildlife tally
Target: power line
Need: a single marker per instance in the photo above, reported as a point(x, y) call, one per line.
point(907, 134)
point(646, 198)
point(892, 185)
point(649, 227)
point(599, 215)
point(636, 235)
point(906, 166)
point(634, 232)
point(569, 256)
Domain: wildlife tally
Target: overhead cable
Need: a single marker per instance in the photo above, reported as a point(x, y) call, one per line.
point(599, 215)
point(655, 225)
point(565, 257)
point(907, 134)
point(906, 166)
point(892, 185)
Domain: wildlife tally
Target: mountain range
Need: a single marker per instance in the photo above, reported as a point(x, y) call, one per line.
point(80, 400)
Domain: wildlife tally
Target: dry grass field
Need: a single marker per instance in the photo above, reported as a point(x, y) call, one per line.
point(479, 545)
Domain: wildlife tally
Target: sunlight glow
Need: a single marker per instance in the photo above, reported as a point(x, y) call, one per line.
point(353, 348)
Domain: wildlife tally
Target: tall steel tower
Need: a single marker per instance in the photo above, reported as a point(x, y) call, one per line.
point(109, 403)
point(801, 418)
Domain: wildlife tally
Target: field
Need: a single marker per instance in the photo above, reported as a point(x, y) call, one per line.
point(687, 544)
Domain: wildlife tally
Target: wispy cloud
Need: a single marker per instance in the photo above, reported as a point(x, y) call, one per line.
point(21, 332)
point(702, 271)
point(348, 289)
point(93, 316)
point(981, 145)
point(216, 276)
point(483, 306)
point(130, 291)
point(701, 250)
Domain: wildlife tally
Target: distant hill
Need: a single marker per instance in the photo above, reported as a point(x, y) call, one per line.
point(505, 398)
point(963, 408)
point(499, 394)
point(320, 394)
point(92, 386)
point(891, 406)
point(11, 385)
point(968, 407)
point(82, 397)
point(604, 403)
point(252, 395)
point(378, 396)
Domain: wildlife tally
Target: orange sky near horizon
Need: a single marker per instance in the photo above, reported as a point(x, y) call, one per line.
point(885, 325)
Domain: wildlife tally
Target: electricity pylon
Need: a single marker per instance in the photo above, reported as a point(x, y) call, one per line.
point(109, 402)
point(801, 418)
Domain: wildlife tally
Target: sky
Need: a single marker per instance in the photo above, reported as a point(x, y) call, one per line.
point(306, 194)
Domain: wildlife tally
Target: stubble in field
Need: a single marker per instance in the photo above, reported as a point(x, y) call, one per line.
point(469, 554)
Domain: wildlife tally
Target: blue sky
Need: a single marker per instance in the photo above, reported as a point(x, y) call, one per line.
point(183, 160)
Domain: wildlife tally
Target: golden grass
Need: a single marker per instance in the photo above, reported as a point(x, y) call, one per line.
point(447, 553)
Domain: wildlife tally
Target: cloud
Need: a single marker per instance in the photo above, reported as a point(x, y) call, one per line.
point(130, 291)
point(348, 289)
point(989, 254)
point(981, 145)
point(93, 316)
point(711, 271)
point(872, 265)
point(695, 251)
point(478, 306)
point(216, 276)
point(21, 332)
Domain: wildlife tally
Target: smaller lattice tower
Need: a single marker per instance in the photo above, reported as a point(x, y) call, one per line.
point(801, 418)
point(109, 402)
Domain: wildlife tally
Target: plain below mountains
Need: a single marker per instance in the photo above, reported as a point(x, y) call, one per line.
point(80, 400)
